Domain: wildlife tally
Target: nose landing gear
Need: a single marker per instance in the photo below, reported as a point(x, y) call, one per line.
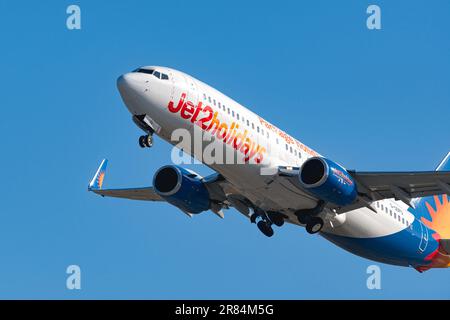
point(146, 141)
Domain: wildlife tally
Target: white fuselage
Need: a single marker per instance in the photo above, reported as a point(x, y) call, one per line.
point(147, 95)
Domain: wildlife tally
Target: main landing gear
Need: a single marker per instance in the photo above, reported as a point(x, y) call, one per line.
point(146, 141)
point(267, 219)
point(265, 227)
point(309, 218)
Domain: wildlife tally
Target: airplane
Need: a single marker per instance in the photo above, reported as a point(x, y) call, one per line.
point(397, 218)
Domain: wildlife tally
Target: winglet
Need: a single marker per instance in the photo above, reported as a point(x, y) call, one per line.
point(445, 164)
point(97, 181)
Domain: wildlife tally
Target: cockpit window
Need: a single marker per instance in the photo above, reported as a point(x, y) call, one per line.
point(148, 71)
point(157, 74)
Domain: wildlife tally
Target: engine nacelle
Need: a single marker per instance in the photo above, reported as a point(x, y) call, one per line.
point(328, 181)
point(182, 188)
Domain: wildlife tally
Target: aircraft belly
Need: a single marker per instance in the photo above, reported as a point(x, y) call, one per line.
point(364, 223)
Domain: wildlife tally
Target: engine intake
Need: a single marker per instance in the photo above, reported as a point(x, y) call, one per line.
point(328, 181)
point(182, 188)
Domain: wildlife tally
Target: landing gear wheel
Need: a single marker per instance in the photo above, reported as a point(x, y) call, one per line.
point(142, 142)
point(277, 220)
point(303, 218)
point(146, 141)
point(265, 228)
point(314, 225)
point(149, 140)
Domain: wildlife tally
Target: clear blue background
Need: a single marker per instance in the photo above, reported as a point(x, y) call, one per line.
point(372, 100)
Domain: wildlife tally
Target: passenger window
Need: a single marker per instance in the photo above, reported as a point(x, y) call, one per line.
point(290, 148)
point(209, 99)
point(248, 123)
point(214, 101)
point(237, 115)
point(204, 96)
point(232, 113)
point(287, 147)
point(262, 131)
point(228, 110)
point(257, 129)
point(277, 141)
point(253, 126)
point(157, 74)
point(219, 104)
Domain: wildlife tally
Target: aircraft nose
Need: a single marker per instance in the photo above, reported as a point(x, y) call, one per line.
point(132, 89)
point(127, 82)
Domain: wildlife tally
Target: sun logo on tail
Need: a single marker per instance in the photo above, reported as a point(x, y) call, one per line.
point(100, 178)
point(440, 224)
point(440, 218)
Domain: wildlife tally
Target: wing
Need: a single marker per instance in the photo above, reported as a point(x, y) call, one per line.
point(403, 186)
point(215, 183)
point(373, 186)
point(145, 193)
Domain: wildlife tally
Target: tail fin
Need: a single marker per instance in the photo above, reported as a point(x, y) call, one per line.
point(97, 181)
point(422, 204)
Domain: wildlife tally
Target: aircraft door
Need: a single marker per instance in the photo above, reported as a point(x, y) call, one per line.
point(424, 238)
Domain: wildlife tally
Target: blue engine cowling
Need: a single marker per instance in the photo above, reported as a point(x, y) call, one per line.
point(328, 181)
point(182, 188)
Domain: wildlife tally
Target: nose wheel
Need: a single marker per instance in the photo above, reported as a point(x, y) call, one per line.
point(146, 141)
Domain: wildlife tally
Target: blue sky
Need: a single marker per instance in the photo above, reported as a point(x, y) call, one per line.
point(371, 100)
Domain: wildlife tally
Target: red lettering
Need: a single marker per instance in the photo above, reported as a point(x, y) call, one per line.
point(202, 121)
point(197, 111)
point(180, 104)
point(187, 110)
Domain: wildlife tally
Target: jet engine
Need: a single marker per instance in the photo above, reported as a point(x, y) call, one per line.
point(182, 188)
point(328, 181)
